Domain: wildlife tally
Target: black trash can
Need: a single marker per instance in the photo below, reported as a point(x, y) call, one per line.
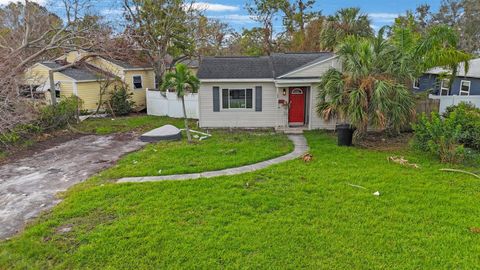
point(345, 134)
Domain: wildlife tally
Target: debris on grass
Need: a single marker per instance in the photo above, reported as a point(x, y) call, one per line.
point(357, 186)
point(402, 161)
point(307, 157)
point(376, 193)
point(160, 171)
point(475, 230)
point(461, 171)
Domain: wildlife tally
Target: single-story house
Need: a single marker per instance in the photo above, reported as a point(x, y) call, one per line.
point(276, 91)
point(465, 86)
point(85, 80)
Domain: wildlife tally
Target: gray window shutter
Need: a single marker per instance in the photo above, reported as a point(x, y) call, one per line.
point(225, 98)
point(258, 98)
point(216, 99)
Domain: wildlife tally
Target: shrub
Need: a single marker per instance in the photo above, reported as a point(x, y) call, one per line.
point(49, 118)
point(440, 137)
point(54, 117)
point(467, 116)
point(121, 101)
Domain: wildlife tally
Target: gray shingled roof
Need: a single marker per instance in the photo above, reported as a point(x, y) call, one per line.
point(77, 73)
point(235, 68)
point(257, 67)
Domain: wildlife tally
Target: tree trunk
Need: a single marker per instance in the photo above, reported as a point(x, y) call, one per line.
point(52, 87)
point(189, 137)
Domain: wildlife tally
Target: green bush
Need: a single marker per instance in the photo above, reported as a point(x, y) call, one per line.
point(54, 117)
point(50, 118)
point(121, 101)
point(467, 116)
point(440, 137)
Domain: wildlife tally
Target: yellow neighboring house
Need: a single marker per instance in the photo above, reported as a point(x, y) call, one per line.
point(85, 80)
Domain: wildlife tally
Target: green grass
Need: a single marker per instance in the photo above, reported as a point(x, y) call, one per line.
point(123, 124)
point(223, 150)
point(291, 215)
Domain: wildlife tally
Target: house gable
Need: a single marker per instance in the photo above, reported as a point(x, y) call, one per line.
point(313, 70)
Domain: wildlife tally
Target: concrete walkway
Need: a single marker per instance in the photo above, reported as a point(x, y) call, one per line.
point(299, 142)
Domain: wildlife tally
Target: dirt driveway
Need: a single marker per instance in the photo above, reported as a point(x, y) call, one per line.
point(28, 186)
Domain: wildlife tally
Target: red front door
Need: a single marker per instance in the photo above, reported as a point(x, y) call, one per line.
point(296, 113)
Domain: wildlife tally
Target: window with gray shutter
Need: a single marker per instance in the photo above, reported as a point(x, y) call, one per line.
point(258, 98)
point(216, 99)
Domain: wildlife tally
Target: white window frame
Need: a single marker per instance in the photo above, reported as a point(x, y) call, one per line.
point(133, 81)
point(228, 99)
point(469, 88)
point(415, 82)
point(442, 87)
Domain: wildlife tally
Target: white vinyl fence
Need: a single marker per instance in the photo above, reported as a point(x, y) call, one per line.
point(446, 101)
point(168, 104)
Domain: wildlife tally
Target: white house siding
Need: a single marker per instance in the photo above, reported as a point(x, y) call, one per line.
point(242, 118)
point(314, 70)
point(316, 122)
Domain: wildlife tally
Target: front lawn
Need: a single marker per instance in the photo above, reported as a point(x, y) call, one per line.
point(139, 123)
point(291, 215)
point(223, 150)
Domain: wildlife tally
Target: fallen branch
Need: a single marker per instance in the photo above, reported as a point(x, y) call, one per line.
point(402, 161)
point(461, 171)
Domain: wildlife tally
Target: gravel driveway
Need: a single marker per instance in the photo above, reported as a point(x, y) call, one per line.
point(28, 186)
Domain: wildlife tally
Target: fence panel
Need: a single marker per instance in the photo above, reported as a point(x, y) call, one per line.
point(446, 101)
point(170, 105)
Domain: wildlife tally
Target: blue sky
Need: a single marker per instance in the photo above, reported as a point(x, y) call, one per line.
point(381, 12)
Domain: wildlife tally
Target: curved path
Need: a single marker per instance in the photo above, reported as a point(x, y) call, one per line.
point(299, 142)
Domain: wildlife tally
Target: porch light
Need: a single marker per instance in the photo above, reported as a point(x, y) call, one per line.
point(284, 91)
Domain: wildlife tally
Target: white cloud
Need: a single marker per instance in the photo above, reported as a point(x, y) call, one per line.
point(5, 2)
point(213, 7)
point(234, 18)
point(383, 17)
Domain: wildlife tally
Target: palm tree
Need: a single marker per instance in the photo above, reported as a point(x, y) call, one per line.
point(370, 90)
point(345, 22)
point(373, 86)
point(181, 80)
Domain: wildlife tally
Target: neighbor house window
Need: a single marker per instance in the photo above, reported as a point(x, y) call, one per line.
point(416, 84)
point(237, 98)
point(465, 88)
point(137, 82)
point(445, 87)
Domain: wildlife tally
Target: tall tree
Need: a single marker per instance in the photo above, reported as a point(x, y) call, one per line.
point(182, 80)
point(29, 33)
point(249, 42)
point(162, 29)
point(344, 23)
point(297, 17)
point(264, 12)
point(461, 15)
point(211, 36)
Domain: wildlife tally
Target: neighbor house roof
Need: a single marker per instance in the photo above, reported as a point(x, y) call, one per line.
point(259, 67)
point(473, 69)
point(84, 72)
point(127, 65)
